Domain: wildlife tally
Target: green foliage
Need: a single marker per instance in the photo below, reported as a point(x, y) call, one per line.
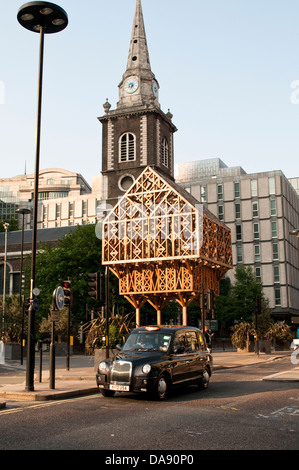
point(74, 256)
point(243, 333)
point(12, 320)
point(13, 224)
point(61, 326)
point(244, 293)
point(237, 301)
point(120, 326)
point(279, 332)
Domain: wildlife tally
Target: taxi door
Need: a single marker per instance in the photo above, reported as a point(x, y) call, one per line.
point(181, 360)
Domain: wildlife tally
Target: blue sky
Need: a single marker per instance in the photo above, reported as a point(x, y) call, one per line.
point(225, 68)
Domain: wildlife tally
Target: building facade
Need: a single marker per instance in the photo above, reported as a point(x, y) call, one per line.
point(261, 209)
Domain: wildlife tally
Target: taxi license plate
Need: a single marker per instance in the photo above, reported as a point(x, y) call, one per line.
point(120, 388)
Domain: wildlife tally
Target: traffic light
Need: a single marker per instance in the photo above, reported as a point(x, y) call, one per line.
point(94, 285)
point(67, 290)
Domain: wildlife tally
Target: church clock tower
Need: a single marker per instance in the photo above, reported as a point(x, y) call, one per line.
point(137, 133)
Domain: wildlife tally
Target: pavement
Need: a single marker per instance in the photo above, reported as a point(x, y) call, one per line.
point(79, 379)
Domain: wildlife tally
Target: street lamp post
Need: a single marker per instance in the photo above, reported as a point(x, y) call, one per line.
point(43, 18)
point(23, 211)
point(5, 225)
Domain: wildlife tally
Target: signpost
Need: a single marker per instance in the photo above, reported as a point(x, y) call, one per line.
point(57, 305)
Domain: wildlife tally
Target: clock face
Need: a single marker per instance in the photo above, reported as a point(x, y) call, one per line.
point(131, 85)
point(155, 89)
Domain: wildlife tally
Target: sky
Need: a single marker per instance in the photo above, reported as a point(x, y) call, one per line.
point(228, 71)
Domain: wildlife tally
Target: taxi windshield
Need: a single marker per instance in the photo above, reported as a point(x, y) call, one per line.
point(145, 341)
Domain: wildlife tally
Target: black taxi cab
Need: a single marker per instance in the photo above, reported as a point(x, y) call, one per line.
point(155, 358)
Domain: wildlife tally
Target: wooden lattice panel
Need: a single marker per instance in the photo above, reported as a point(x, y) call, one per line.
point(164, 245)
point(167, 279)
point(152, 222)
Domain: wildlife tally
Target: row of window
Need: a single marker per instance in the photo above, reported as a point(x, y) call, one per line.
point(256, 231)
point(255, 210)
point(70, 210)
point(257, 253)
point(237, 193)
point(127, 149)
point(51, 181)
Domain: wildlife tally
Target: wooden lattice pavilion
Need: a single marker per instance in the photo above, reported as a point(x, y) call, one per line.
point(164, 245)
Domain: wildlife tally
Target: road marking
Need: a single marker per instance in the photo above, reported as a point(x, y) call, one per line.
point(43, 405)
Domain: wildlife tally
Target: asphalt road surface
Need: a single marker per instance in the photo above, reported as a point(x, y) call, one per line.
point(239, 411)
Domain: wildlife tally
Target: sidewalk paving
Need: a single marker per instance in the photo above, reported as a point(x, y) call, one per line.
point(80, 378)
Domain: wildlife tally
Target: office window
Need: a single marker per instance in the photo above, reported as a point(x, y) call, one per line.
point(272, 185)
point(16, 283)
point(274, 229)
point(254, 188)
point(203, 194)
point(220, 192)
point(273, 206)
point(71, 209)
point(45, 212)
point(255, 210)
point(275, 251)
point(256, 231)
point(238, 210)
point(239, 232)
point(84, 208)
point(258, 274)
point(220, 213)
point(257, 254)
point(239, 254)
point(237, 190)
point(58, 211)
point(277, 297)
point(276, 274)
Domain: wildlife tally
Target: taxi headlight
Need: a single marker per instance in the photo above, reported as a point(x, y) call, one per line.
point(103, 368)
point(146, 368)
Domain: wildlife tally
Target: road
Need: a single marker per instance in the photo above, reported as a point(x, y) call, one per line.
point(239, 411)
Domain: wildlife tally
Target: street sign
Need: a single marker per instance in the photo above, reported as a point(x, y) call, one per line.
point(58, 298)
point(55, 315)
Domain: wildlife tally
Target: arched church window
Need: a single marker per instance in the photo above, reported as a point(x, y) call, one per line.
point(127, 147)
point(164, 152)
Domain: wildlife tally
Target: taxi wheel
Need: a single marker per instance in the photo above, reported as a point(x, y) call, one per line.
point(107, 393)
point(203, 382)
point(161, 389)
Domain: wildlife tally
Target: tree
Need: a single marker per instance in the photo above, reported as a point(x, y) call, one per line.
point(74, 256)
point(237, 302)
point(244, 293)
point(13, 320)
point(13, 224)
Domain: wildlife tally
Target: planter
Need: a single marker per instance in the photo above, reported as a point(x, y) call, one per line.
point(249, 348)
point(265, 346)
point(282, 346)
point(12, 351)
point(100, 355)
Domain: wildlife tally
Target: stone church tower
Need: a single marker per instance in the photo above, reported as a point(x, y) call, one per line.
point(137, 133)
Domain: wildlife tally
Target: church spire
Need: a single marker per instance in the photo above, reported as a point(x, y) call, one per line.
point(138, 53)
point(139, 85)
